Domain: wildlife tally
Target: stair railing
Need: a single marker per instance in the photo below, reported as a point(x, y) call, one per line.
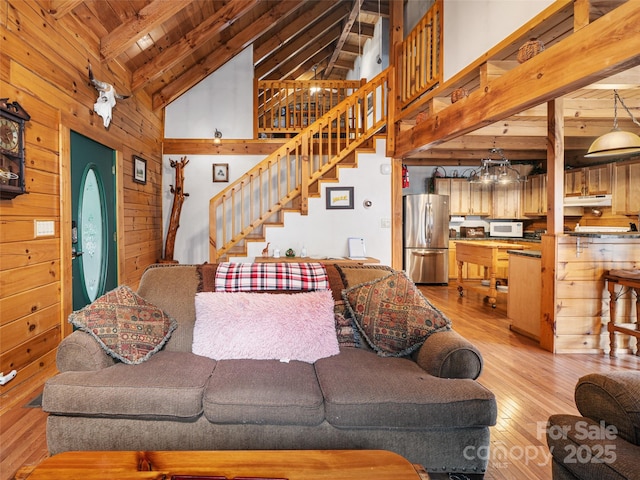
point(261, 194)
point(288, 106)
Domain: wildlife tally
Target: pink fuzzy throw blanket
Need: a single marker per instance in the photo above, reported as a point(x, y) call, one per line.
point(263, 326)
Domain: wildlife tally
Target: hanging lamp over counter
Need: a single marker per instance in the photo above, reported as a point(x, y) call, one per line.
point(616, 143)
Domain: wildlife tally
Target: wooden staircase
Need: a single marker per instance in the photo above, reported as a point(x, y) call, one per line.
point(284, 181)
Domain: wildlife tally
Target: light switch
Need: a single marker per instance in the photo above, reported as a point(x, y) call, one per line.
point(44, 228)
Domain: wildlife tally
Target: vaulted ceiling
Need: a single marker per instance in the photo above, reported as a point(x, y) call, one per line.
point(169, 46)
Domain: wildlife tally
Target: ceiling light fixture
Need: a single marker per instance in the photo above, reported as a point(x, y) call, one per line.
point(616, 143)
point(217, 137)
point(496, 171)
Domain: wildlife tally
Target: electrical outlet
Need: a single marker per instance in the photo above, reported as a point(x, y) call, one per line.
point(385, 223)
point(44, 228)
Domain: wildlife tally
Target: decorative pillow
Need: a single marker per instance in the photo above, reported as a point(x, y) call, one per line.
point(353, 275)
point(344, 325)
point(128, 327)
point(263, 326)
point(393, 315)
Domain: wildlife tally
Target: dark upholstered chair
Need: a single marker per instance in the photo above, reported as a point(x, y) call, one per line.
point(603, 444)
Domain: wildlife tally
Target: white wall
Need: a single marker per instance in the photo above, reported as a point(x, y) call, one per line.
point(224, 100)
point(375, 48)
point(472, 27)
point(324, 232)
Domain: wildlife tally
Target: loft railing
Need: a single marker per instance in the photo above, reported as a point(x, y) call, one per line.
point(289, 106)
point(419, 57)
point(287, 174)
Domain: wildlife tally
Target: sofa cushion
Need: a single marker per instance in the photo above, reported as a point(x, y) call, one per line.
point(362, 389)
point(127, 326)
point(169, 384)
point(393, 315)
point(262, 326)
point(263, 392)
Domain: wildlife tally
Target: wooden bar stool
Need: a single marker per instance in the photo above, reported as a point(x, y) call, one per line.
point(631, 280)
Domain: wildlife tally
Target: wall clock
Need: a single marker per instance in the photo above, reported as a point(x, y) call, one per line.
point(12, 122)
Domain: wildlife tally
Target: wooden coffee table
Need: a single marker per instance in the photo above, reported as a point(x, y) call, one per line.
point(278, 464)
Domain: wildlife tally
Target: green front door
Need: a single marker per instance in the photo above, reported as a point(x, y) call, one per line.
point(93, 194)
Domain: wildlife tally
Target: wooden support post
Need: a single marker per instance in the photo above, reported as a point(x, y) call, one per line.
point(555, 221)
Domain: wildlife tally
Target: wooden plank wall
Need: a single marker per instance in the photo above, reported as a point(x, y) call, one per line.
point(43, 65)
point(582, 299)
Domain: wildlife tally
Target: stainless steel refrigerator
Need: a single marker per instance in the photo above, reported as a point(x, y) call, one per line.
point(426, 238)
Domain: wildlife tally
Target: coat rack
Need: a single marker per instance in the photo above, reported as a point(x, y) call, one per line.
point(178, 199)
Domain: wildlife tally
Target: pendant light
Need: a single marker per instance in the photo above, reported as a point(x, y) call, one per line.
point(496, 171)
point(616, 143)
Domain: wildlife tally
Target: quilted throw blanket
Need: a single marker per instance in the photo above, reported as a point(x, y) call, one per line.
point(246, 277)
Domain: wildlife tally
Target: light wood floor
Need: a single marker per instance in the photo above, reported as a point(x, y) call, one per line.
point(529, 383)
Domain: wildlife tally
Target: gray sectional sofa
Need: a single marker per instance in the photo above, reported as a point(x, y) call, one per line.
point(427, 407)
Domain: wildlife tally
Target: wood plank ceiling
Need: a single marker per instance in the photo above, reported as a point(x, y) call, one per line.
point(169, 46)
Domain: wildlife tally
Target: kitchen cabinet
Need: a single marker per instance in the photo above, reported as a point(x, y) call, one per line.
point(534, 196)
point(594, 180)
point(524, 295)
point(506, 201)
point(626, 191)
point(465, 198)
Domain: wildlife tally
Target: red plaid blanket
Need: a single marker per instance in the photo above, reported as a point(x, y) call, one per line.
point(245, 277)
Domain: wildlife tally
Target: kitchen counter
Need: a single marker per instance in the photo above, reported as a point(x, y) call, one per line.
point(526, 253)
point(497, 239)
point(629, 235)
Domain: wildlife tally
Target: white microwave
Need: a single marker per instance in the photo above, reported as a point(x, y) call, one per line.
point(506, 229)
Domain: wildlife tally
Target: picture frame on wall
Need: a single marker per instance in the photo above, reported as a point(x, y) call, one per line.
point(339, 198)
point(220, 172)
point(139, 170)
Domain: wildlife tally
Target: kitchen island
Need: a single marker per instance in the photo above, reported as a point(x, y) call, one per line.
point(491, 255)
point(575, 299)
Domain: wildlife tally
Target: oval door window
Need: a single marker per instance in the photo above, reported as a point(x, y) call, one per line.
point(92, 232)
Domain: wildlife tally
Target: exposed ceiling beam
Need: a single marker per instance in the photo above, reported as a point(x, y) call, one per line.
point(305, 70)
point(343, 36)
point(592, 53)
point(219, 57)
point(205, 31)
point(375, 7)
point(150, 17)
point(306, 37)
point(284, 32)
point(284, 69)
point(59, 8)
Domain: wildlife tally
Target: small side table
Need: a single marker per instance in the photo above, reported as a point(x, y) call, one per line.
point(631, 280)
point(335, 261)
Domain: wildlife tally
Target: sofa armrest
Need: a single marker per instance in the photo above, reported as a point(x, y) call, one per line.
point(80, 351)
point(613, 398)
point(448, 354)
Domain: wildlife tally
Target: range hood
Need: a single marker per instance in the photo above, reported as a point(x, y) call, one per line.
point(588, 201)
